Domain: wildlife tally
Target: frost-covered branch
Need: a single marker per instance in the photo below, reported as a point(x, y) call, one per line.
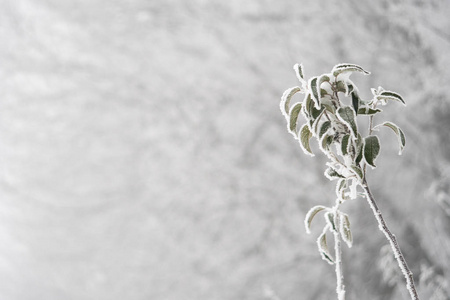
point(349, 153)
point(392, 241)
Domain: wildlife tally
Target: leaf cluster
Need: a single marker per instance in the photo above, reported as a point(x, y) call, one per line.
point(331, 106)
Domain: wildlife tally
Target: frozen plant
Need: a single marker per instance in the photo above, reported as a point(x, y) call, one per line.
point(331, 107)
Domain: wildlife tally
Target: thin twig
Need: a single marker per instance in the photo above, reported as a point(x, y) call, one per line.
point(340, 287)
point(393, 242)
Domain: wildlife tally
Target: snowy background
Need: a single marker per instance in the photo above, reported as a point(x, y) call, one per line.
point(143, 154)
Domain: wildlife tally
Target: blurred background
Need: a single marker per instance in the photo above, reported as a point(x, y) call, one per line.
point(143, 154)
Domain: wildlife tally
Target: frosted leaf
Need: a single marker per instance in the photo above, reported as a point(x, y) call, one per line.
point(332, 174)
point(365, 110)
point(345, 230)
point(359, 149)
point(358, 171)
point(341, 185)
point(323, 78)
point(371, 149)
point(345, 144)
point(306, 103)
point(324, 128)
point(329, 219)
point(314, 87)
point(388, 95)
point(353, 189)
point(400, 135)
point(347, 115)
point(341, 86)
point(294, 112)
point(305, 136)
point(350, 88)
point(323, 247)
point(310, 216)
point(325, 142)
point(355, 101)
point(345, 68)
point(315, 123)
point(286, 99)
point(298, 68)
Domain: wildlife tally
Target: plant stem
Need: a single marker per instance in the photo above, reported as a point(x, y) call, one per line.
point(393, 242)
point(340, 287)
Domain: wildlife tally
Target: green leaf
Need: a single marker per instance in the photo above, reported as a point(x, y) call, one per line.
point(323, 248)
point(371, 149)
point(310, 216)
point(332, 174)
point(286, 99)
point(357, 170)
point(341, 86)
point(340, 186)
point(359, 149)
point(295, 110)
point(305, 136)
point(345, 230)
point(355, 101)
point(315, 123)
point(323, 78)
point(350, 89)
point(344, 144)
point(344, 68)
point(324, 128)
point(315, 92)
point(388, 95)
point(326, 141)
point(298, 68)
point(365, 110)
point(307, 106)
point(329, 218)
point(400, 135)
point(347, 115)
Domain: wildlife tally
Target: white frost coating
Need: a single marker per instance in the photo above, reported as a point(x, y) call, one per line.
point(323, 247)
point(353, 189)
point(294, 133)
point(310, 216)
point(297, 69)
point(285, 100)
point(354, 134)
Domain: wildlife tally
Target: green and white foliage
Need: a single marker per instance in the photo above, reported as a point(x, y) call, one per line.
point(330, 108)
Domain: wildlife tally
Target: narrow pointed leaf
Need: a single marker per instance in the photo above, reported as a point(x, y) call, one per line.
point(388, 95)
point(345, 230)
point(345, 144)
point(332, 174)
point(286, 99)
point(329, 218)
point(359, 149)
point(371, 149)
point(326, 141)
point(298, 68)
point(324, 128)
point(323, 248)
point(315, 91)
point(310, 216)
point(400, 135)
point(294, 112)
point(341, 86)
point(320, 80)
point(355, 101)
point(358, 172)
point(345, 68)
point(347, 115)
point(305, 136)
point(365, 110)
